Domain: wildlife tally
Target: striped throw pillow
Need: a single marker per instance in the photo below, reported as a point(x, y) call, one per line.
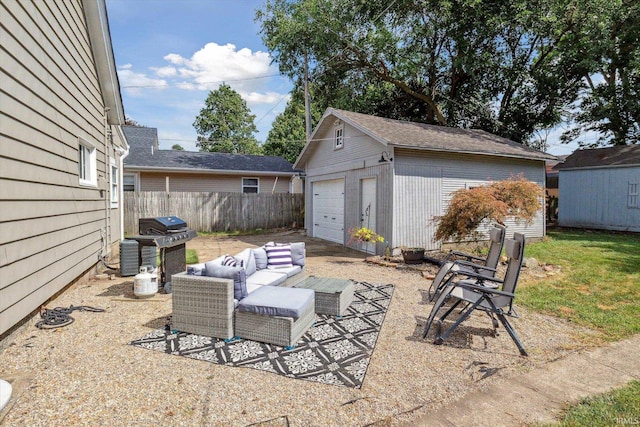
point(230, 261)
point(278, 256)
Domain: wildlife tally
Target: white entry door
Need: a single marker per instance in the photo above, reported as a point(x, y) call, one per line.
point(328, 210)
point(368, 209)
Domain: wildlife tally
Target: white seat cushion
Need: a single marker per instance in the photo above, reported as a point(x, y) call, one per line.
point(266, 277)
point(289, 271)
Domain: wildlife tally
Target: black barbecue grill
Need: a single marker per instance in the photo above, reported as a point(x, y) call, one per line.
point(169, 234)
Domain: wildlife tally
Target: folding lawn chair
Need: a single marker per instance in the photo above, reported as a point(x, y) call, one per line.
point(481, 292)
point(486, 266)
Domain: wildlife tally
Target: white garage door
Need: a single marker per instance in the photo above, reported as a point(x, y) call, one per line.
point(328, 210)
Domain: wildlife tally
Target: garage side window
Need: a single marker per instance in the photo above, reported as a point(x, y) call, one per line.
point(87, 171)
point(250, 185)
point(632, 201)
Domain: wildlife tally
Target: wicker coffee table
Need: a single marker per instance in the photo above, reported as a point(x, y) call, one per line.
point(333, 296)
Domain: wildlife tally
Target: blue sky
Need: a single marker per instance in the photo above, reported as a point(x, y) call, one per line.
point(171, 53)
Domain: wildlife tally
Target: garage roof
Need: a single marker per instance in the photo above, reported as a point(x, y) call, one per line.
point(422, 136)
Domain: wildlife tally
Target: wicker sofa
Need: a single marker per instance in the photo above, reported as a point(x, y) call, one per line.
point(204, 304)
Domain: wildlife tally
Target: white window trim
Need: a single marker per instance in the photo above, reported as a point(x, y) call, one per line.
point(257, 186)
point(338, 140)
point(633, 195)
point(114, 182)
point(92, 179)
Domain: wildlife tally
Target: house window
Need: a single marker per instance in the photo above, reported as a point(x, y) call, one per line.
point(87, 163)
point(129, 183)
point(632, 201)
point(339, 138)
point(115, 190)
point(250, 185)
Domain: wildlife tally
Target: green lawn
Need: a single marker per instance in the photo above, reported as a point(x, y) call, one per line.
point(599, 281)
point(618, 407)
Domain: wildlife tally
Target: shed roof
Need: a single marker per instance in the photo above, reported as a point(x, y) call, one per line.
point(620, 155)
point(145, 155)
point(422, 136)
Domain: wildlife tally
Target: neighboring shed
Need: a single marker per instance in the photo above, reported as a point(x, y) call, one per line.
point(61, 149)
point(147, 168)
point(600, 188)
point(395, 176)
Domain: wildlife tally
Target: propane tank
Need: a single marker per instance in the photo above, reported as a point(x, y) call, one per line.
point(143, 287)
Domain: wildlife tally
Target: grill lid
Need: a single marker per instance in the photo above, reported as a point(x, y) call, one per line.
point(161, 225)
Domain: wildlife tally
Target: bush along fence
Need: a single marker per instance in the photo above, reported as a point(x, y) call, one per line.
point(215, 211)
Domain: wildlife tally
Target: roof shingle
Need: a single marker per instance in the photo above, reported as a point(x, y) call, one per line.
point(144, 153)
point(439, 138)
point(598, 157)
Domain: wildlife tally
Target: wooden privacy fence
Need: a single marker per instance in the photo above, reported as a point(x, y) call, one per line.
point(215, 211)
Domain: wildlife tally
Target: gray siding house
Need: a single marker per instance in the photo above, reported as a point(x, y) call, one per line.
point(147, 168)
point(600, 188)
point(395, 176)
point(61, 149)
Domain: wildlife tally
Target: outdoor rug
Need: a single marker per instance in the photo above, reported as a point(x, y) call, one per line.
point(335, 350)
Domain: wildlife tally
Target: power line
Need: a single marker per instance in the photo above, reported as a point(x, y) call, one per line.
point(202, 83)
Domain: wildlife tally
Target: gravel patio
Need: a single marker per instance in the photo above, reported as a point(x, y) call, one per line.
point(87, 373)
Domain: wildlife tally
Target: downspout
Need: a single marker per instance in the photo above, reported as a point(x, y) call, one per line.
point(107, 180)
point(123, 154)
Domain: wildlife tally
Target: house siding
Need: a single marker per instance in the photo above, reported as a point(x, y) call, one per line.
point(358, 148)
point(51, 228)
point(210, 183)
point(598, 198)
point(460, 171)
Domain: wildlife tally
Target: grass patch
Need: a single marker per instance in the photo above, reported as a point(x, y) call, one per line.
point(233, 233)
point(599, 283)
point(191, 257)
point(618, 407)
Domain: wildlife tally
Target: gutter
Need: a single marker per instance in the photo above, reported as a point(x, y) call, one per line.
point(543, 157)
point(209, 171)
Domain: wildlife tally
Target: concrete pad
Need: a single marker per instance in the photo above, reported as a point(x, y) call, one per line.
point(540, 395)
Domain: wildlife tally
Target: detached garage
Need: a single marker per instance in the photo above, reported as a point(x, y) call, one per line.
point(394, 176)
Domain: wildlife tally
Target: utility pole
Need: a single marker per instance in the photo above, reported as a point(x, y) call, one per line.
point(307, 107)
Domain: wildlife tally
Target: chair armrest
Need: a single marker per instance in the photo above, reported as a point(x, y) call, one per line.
point(484, 289)
point(476, 275)
point(213, 292)
point(465, 255)
point(476, 267)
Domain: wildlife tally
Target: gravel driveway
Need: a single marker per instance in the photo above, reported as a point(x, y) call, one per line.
point(88, 374)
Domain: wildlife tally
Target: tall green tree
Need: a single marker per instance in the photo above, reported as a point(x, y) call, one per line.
point(287, 136)
point(511, 68)
point(225, 124)
point(608, 38)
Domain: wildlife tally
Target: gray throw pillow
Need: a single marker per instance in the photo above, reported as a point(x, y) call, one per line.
point(298, 253)
point(248, 261)
point(237, 274)
point(260, 256)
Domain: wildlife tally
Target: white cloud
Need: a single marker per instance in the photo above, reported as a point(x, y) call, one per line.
point(133, 82)
point(165, 71)
point(254, 98)
point(213, 64)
